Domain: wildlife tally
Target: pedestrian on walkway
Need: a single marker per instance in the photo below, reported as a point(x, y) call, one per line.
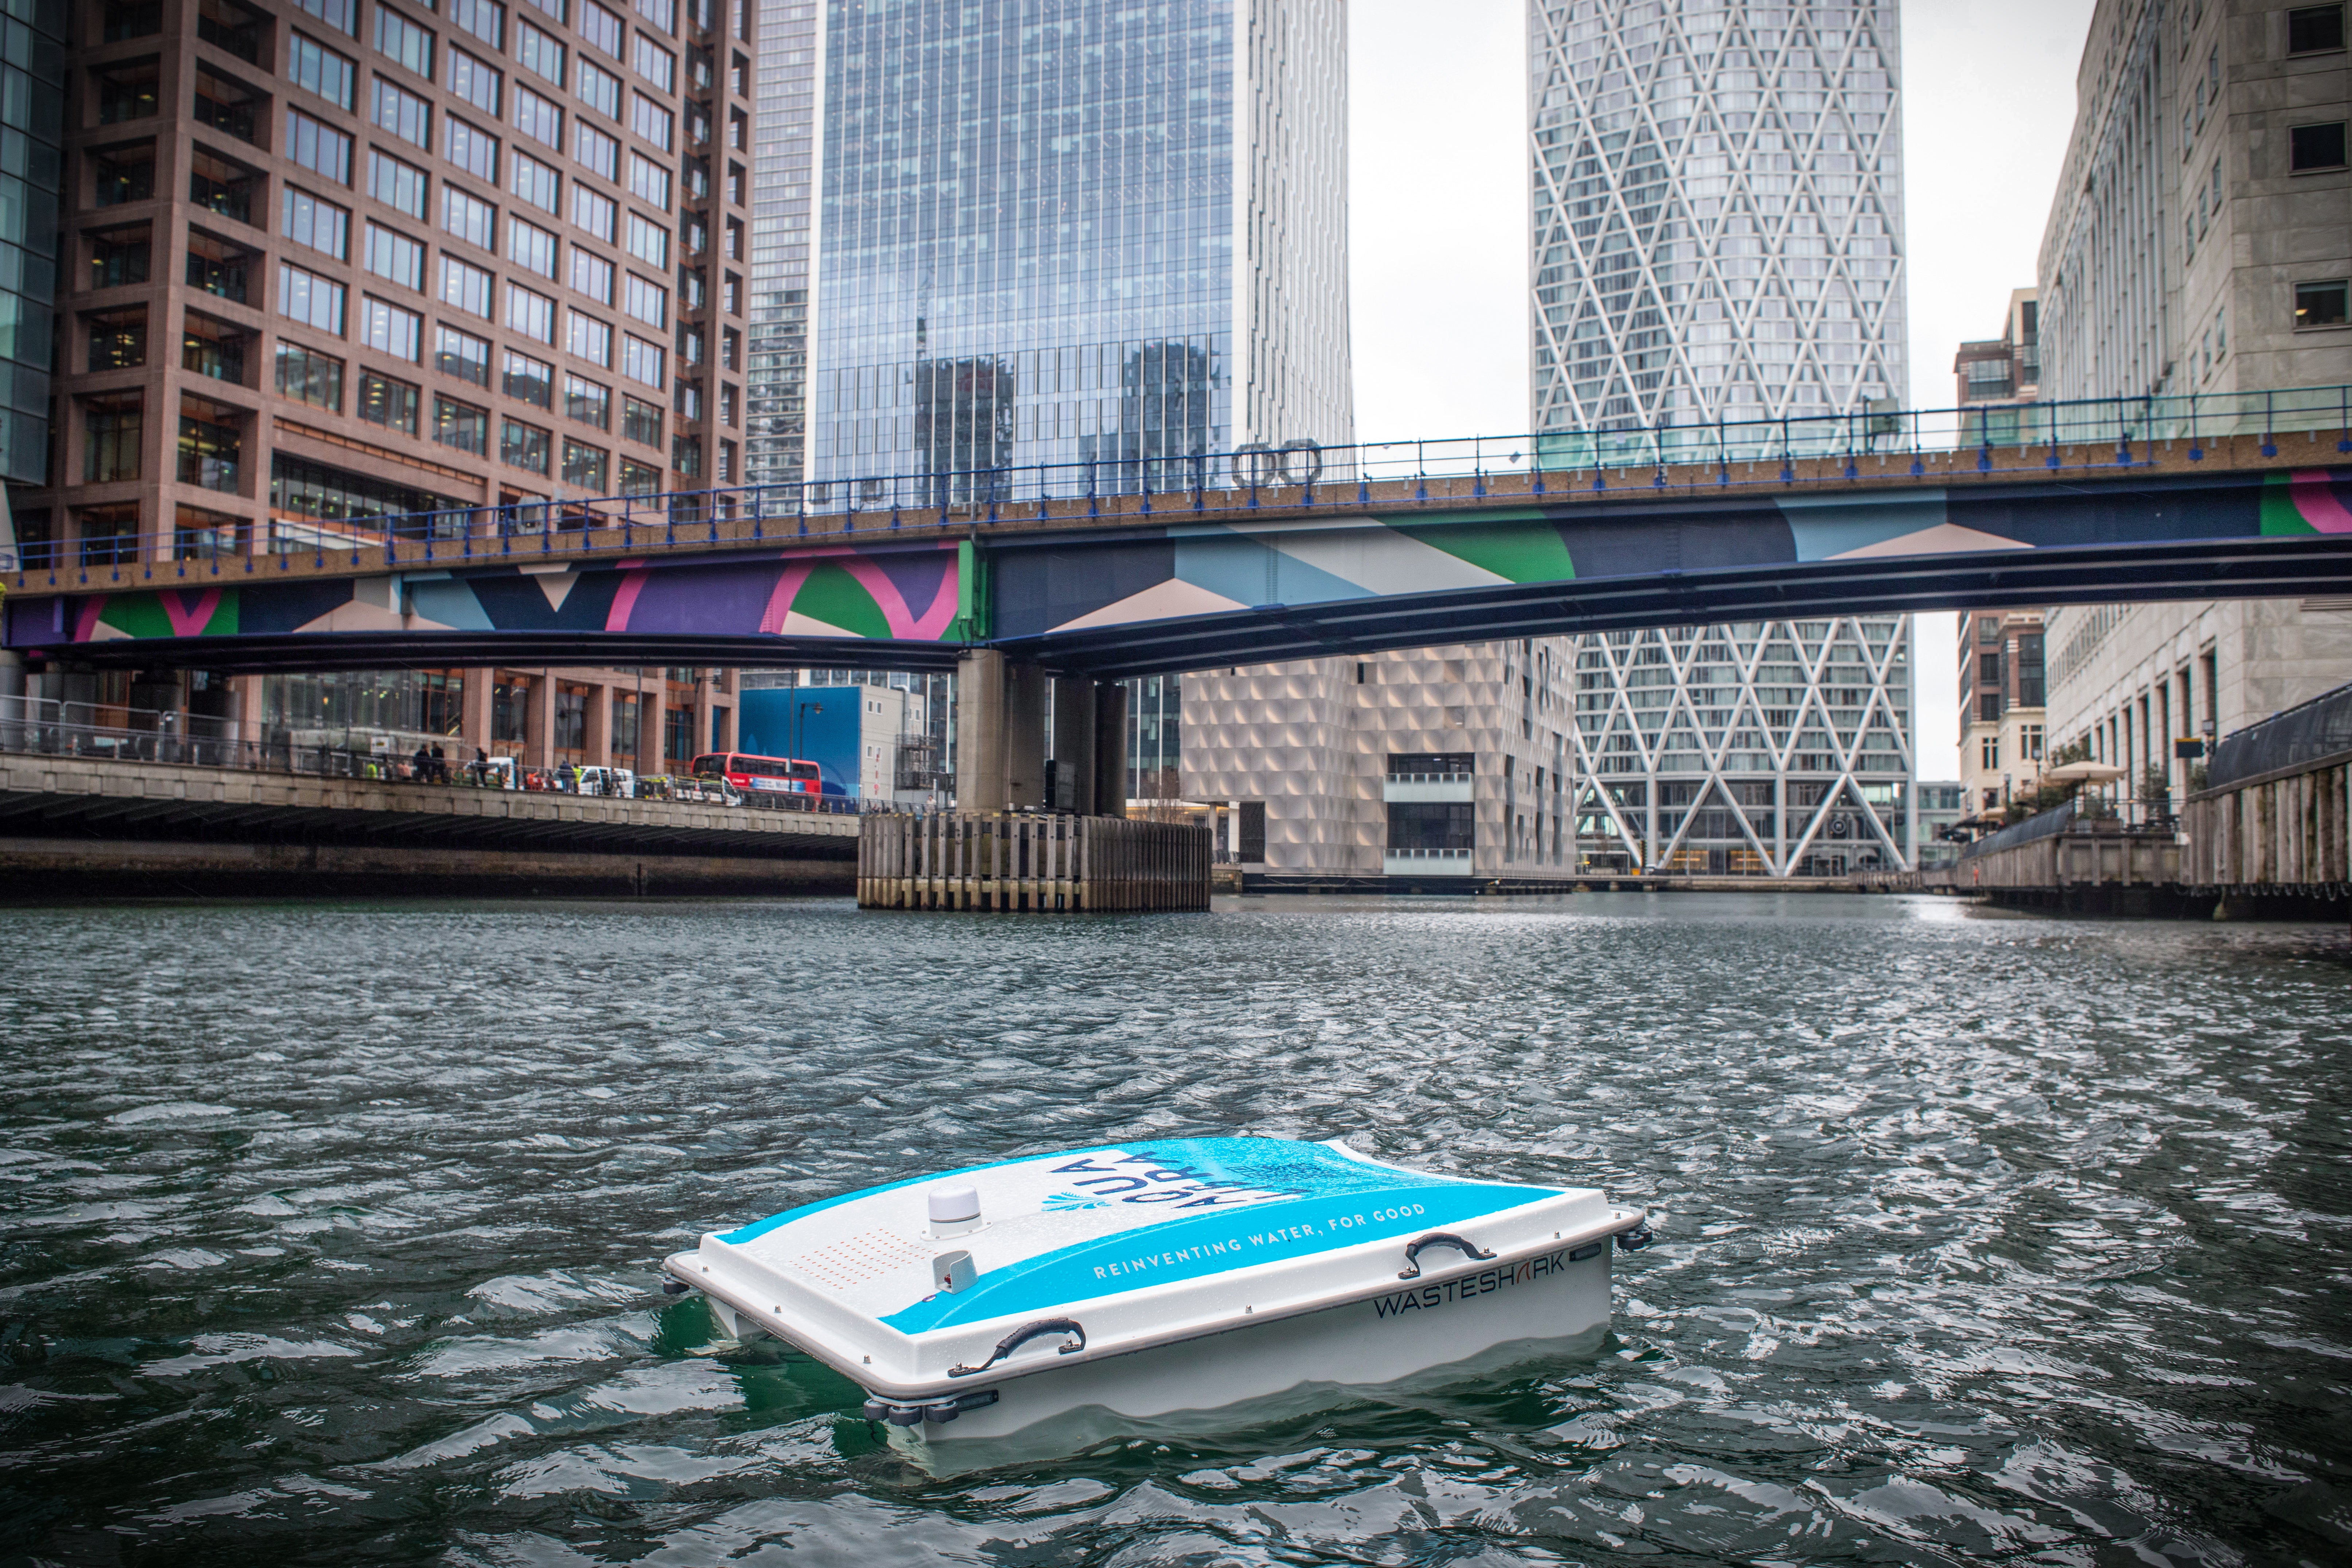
point(420, 766)
point(567, 778)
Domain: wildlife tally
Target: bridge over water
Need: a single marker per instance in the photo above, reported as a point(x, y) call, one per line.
point(1115, 569)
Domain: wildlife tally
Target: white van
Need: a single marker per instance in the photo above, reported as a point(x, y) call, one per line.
point(618, 783)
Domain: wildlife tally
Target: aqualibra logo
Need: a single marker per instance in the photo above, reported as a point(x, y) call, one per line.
point(1143, 1179)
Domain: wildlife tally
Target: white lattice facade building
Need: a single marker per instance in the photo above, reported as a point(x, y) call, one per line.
point(1776, 748)
point(1442, 763)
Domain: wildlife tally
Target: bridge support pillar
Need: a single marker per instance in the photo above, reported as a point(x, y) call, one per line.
point(1000, 733)
point(980, 731)
point(1109, 792)
point(1073, 738)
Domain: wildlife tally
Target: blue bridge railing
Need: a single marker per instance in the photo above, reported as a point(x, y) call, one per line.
point(1731, 454)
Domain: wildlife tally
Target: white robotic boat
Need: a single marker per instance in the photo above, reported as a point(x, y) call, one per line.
point(1105, 1289)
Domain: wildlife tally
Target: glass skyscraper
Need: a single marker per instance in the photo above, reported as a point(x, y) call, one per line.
point(1077, 232)
point(1718, 210)
point(1718, 193)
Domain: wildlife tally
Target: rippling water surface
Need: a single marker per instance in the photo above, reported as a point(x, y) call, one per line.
point(330, 1231)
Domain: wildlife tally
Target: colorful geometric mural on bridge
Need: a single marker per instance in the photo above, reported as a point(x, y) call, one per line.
point(1072, 584)
point(908, 594)
point(1024, 584)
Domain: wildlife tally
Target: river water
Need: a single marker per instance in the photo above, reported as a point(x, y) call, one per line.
point(329, 1230)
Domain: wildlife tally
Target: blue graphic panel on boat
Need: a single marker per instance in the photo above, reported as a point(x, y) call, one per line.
point(1229, 1203)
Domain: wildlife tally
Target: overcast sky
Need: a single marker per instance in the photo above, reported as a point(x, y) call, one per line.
point(1438, 215)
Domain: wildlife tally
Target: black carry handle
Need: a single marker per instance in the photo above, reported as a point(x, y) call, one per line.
point(1468, 1248)
point(1021, 1336)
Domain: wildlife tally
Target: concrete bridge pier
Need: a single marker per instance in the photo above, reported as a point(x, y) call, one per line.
point(1001, 760)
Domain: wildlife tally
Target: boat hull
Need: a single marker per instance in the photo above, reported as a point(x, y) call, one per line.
point(1535, 1306)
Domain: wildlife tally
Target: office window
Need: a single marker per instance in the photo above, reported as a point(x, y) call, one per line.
point(531, 313)
point(476, 81)
point(470, 219)
point(319, 224)
point(119, 258)
point(643, 362)
point(219, 186)
point(471, 149)
point(655, 64)
point(651, 120)
point(686, 456)
point(554, 8)
point(534, 182)
point(341, 15)
point(583, 467)
point(649, 181)
point(537, 118)
point(586, 403)
point(601, 27)
point(217, 267)
point(2320, 304)
point(641, 421)
point(587, 338)
point(486, 19)
point(117, 338)
point(210, 444)
point(461, 425)
point(315, 67)
point(320, 148)
point(389, 329)
point(597, 151)
point(639, 478)
point(662, 14)
point(591, 275)
point(592, 212)
point(383, 401)
point(2313, 29)
point(461, 354)
point(648, 242)
point(309, 376)
point(395, 256)
point(465, 287)
point(541, 55)
point(225, 106)
point(402, 40)
point(531, 380)
point(531, 247)
point(648, 302)
point(304, 296)
point(112, 426)
point(598, 89)
point(214, 349)
point(523, 445)
point(395, 184)
point(2316, 146)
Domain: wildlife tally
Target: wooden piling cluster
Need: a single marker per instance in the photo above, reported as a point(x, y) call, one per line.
point(1025, 861)
point(2287, 832)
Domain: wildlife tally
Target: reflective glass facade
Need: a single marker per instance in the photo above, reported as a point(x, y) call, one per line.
point(32, 127)
point(783, 152)
point(1051, 231)
point(1027, 235)
point(1718, 210)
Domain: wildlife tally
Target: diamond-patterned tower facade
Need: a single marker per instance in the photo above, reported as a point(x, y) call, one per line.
point(1718, 210)
point(1771, 748)
point(1717, 198)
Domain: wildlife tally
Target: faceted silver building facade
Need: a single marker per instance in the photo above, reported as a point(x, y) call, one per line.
point(1717, 235)
point(1776, 748)
point(1718, 210)
point(1068, 232)
point(1442, 763)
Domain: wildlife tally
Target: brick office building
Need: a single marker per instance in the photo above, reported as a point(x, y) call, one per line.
point(327, 262)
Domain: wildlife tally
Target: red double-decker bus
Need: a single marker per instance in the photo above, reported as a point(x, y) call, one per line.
point(787, 775)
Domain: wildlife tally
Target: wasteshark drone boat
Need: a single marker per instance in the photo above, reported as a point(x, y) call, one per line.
point(1121, 1287)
